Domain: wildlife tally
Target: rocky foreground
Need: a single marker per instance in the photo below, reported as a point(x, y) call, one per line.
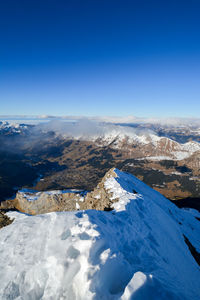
point(4, 220)
point(142, 247)
point(34, 202)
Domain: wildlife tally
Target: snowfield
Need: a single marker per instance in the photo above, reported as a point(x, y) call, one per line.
point(136, 251)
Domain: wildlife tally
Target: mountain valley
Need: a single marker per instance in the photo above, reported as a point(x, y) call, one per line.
point(36, 156)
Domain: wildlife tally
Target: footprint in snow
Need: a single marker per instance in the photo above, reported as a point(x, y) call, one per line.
point(66, 234)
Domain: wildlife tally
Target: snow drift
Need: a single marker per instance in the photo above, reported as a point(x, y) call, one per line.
point(136, 251)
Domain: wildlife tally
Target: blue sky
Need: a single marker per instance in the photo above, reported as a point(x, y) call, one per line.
point(100, 58)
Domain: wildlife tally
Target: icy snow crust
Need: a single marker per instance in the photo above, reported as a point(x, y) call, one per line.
point(136, 251)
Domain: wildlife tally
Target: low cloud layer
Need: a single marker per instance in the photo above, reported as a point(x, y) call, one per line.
point(108, 119)
point(90, 129)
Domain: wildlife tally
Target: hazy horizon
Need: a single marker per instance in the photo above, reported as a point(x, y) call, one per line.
point(35, 119)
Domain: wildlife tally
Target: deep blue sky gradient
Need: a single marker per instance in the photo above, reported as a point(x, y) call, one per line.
point(100, 57)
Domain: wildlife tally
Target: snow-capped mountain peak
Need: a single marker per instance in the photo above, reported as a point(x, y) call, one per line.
point(142, 249)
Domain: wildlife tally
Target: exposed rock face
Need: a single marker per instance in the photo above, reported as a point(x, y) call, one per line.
point(193, 162)
point(43, 202)
point(4, 220)
point(100, 198)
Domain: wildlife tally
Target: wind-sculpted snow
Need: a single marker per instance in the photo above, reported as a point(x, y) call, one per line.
point(136, 251)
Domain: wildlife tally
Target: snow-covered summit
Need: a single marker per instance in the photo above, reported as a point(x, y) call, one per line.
point(139, 250)
point(10, 127)
point(126, 137)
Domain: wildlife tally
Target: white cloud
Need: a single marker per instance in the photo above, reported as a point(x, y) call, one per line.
point(171, 121)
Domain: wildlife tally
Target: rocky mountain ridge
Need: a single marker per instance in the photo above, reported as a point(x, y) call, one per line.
point(34, 202)
point(145, 248)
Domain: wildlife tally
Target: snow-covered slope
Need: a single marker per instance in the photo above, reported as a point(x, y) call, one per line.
point(136, 251)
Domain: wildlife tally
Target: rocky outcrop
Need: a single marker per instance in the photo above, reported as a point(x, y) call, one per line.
point(4, 220)
point(193, 162)
point(43, 202)
point(100, 198)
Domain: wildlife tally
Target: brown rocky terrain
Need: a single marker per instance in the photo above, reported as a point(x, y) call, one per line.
point(4, 220)
point(92, 161)
point(81, 165)
point(43, 202)
point(100, 198)
point(193, 162)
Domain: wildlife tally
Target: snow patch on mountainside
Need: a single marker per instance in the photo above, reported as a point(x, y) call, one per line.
point(186, 150)
point(136, 251)
point(118, 136)
point(160, 157)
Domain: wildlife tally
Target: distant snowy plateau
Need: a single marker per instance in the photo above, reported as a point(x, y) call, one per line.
point(145, 248)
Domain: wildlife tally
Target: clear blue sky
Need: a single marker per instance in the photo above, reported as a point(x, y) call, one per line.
point(100, 57)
